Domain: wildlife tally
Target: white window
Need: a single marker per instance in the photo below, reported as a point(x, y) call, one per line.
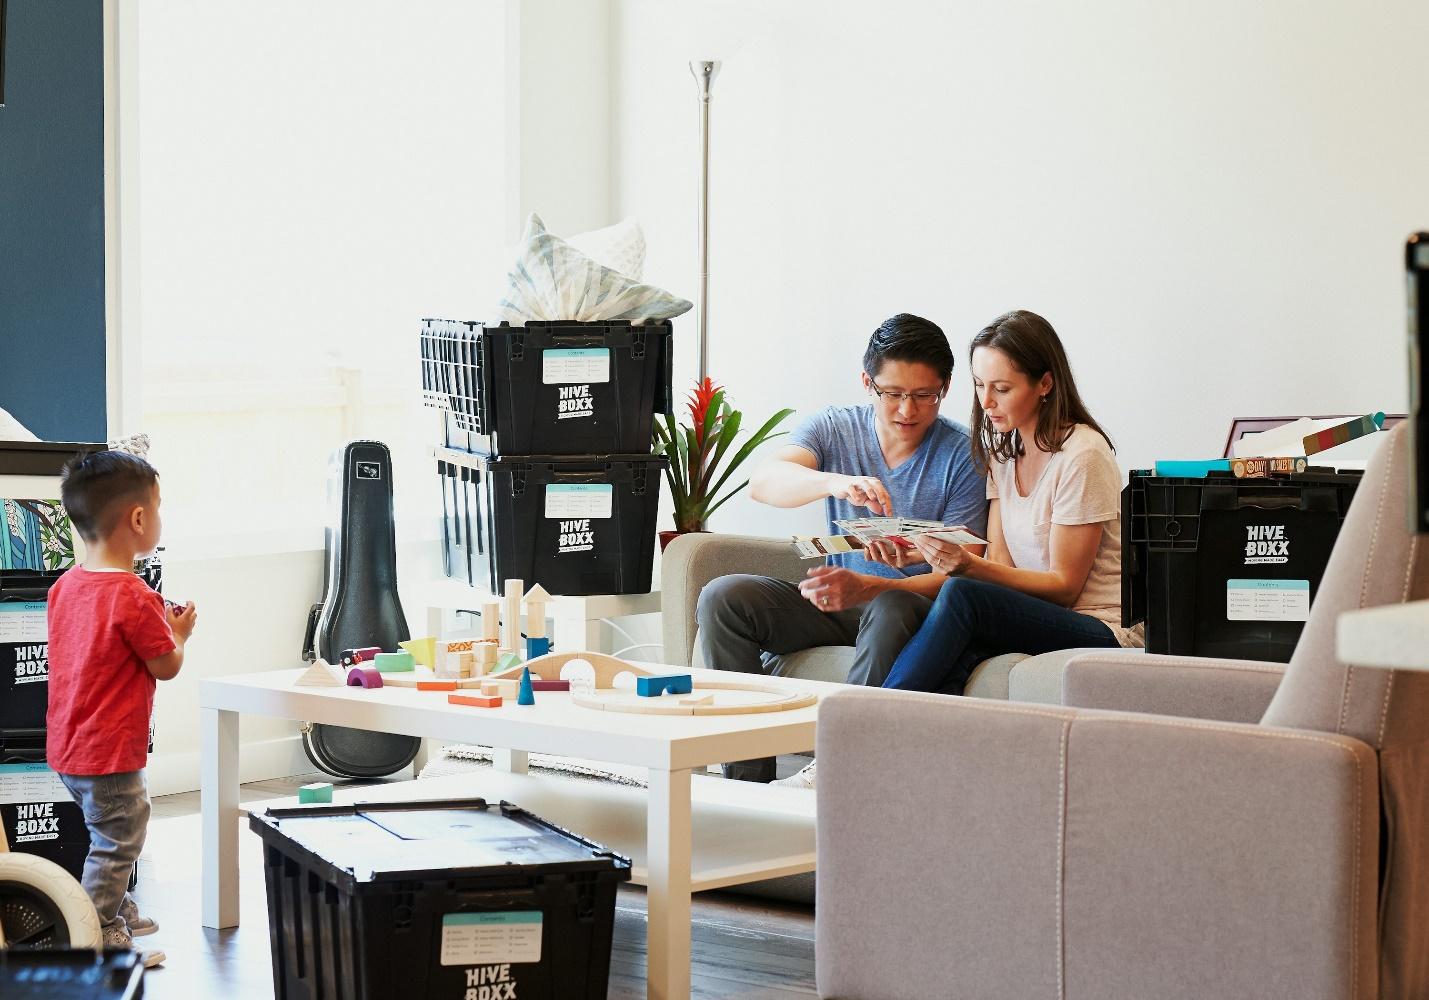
point(314, 179)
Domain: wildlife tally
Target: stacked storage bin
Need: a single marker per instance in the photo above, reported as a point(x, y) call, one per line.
point(35, 808)
point(544, 459)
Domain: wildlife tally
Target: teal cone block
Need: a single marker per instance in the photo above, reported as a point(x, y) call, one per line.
point(526, 696)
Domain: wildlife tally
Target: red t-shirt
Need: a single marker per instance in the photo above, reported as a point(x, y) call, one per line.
point(103, 626)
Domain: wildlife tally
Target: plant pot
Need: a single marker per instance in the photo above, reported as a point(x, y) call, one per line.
point(666, 537)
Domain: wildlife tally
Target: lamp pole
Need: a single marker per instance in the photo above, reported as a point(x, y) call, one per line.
point(704, 72)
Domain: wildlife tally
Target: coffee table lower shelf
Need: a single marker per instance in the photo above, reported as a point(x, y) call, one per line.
point(740, 832)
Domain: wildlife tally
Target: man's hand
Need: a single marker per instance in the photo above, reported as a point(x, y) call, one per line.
point(833, 588)
point(863, 491)
point(891, 553)
point(944, 556)
point(182, 620)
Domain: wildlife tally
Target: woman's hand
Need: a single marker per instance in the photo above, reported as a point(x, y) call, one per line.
point(833, 588)
point(943, 555)
point(862, 491)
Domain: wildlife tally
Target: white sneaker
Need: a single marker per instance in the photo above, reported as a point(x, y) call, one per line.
point(116, 936)
point(804, 779)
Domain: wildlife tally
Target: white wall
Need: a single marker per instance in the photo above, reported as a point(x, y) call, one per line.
point(1208, 201)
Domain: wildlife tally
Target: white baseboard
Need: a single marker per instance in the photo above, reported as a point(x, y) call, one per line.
point(277, 758)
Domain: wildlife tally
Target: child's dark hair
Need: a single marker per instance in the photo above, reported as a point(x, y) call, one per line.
point(95, 487)
point(906, 337)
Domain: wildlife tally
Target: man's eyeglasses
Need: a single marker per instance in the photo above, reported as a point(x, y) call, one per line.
point(923, 398)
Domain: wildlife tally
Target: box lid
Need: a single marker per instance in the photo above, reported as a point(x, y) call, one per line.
point(382, 842)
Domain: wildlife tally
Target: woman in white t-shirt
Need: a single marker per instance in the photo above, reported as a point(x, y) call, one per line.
point(1051, 578)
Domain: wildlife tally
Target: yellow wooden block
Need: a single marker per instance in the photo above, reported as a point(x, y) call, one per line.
point(424, 651)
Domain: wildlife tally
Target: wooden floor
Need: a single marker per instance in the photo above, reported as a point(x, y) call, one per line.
point(746, 949)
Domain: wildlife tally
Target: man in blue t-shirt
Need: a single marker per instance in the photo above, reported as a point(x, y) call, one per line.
point(894, 457)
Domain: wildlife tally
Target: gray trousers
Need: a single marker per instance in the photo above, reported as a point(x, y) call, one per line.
point(746, 622)
point(116, 810)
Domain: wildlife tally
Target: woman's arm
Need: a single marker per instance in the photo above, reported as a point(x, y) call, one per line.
point(1073, 549)
point(791, 478)
point(996, 541)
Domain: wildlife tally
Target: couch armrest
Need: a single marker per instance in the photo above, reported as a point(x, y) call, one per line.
point(693, 560)
point(1187, 686)
point(994, 850)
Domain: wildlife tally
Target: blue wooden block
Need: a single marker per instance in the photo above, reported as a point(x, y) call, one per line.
point(537, 646)
point(653, 687)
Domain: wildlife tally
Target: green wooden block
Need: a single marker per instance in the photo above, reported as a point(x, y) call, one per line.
point(394, 663)
point(320, 791)
point(507, 660)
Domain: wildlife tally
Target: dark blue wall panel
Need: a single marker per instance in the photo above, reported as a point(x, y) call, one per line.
point(52, 347)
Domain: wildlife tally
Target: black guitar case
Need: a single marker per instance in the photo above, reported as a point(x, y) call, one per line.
point(360, 606)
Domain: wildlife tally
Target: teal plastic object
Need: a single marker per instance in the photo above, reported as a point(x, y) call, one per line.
point(320, 791)
point(1193, 470)
point(526, 695)
point(394, 663)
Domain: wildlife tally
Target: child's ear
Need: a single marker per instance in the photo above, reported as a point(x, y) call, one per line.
point(138, 519)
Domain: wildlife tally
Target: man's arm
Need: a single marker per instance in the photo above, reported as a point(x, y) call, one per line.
point(791, 478)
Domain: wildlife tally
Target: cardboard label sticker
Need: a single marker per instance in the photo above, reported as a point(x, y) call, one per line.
point(1267, 600)
point(491, 938)
point(571, 365)
point(579, 500)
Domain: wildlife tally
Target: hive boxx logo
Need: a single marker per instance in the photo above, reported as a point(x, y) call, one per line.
point(32, 662)
point(575, 401)
point(1266, 544)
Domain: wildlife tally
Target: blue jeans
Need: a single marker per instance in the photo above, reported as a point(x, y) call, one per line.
point(972, 620)
point(116, 810)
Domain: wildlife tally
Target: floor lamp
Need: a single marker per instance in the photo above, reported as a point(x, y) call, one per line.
point(704, 72)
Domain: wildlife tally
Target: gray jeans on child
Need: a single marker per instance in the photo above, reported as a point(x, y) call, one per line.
point(745, 622)
point(116, 810)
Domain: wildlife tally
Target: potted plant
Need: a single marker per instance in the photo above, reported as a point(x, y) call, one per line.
point(696, 451)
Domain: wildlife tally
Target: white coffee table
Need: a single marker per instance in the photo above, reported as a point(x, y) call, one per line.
point(683, 836)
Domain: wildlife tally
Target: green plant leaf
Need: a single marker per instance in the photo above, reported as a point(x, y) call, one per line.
point(760, 436)
point(728, 430)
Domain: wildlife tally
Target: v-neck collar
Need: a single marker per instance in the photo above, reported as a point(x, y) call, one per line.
point(882, 458)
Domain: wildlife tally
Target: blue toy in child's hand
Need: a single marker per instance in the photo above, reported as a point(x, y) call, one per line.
point(653, 687)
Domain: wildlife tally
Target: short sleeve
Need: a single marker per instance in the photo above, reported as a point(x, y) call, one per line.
point(1089, 489)
point(966, 503)
point(815, 434)
point(145, 627)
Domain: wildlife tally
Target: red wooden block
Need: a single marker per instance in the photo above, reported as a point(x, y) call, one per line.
point(475, 700)
point(540, 685)
point(436, 685)
point(364, 677)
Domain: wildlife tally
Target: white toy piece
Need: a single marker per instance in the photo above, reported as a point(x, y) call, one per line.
point(486, 655)
point(450, 658)
point(536, 601)
point(321, 674)
point(511, 618)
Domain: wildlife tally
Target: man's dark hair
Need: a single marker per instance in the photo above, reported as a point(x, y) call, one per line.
point(906, 337)
point(94, 489)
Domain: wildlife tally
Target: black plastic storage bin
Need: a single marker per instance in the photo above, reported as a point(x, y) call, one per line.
point(24, 648)
point(36, 809)
point(1228, 567)
point(448, 899)
point(71, 974)
point(582, 524)
point(547, 388)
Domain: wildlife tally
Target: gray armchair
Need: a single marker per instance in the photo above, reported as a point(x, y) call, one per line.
point(1264, 834)
point(693, 560)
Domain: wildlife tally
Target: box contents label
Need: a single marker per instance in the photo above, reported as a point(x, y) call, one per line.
point(27, 783)
point(23, 621)
point(579, 500)
point(585, 364)
point(491, 939)
point(1267, 600)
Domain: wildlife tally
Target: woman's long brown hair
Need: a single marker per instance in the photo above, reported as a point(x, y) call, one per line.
point(1034, 349)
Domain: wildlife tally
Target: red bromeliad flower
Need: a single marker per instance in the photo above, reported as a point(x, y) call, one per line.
point(699, 404)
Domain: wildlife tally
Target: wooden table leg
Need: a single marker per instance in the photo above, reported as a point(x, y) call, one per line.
point(218, 784)
point(668, 895)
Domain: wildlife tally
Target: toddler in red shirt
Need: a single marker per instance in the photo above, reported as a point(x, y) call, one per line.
point(110, 637)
